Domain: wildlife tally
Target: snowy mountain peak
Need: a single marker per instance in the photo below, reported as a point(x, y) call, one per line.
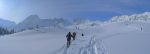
point(134, 17)
point(33, 21)
point(32, 17)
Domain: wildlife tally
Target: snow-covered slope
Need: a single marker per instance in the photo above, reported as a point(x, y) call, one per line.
point(109, 38)
point(120, 35)
point(143, 17)
point(39, 41)
point(135, 39)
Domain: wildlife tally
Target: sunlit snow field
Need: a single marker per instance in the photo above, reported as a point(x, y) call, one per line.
point(108, 38)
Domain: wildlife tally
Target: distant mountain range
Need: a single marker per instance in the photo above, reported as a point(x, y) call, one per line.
point(143, 17)
point(7, 24)
point(33, 21)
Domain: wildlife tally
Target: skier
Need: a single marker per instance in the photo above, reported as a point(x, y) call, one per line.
point(68, 36)
point(74, 35)
point(141, 28)
point(82, 34)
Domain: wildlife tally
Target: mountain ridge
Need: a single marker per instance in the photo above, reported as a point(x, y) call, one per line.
point(34, 21)
point(6, 23)
point(142, 17)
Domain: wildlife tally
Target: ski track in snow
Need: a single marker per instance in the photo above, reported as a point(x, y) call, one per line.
point(88, 45)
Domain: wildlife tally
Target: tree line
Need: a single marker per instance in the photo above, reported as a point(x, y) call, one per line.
point(4, 31)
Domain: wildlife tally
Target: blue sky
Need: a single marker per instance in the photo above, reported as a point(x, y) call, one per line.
point(17, 10)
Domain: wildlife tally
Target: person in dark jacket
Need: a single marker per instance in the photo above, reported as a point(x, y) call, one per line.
point(69, 35)
point(74, 35)
point(141, 28)
point(82, 34)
